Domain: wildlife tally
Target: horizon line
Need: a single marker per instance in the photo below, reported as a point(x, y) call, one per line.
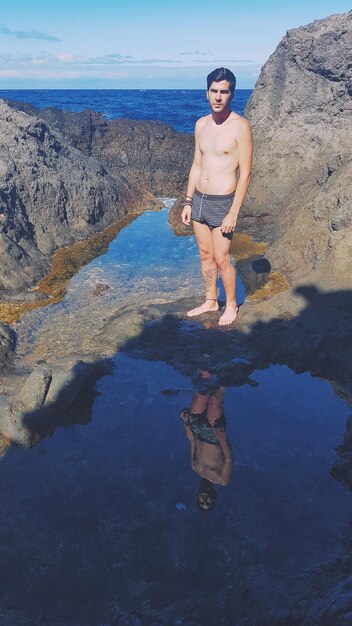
point(115, 89)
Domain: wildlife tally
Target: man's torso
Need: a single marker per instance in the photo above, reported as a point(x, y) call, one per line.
point(208, 461)
point(219, 155)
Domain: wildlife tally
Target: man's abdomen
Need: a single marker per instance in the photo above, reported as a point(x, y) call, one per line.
point(217, 181)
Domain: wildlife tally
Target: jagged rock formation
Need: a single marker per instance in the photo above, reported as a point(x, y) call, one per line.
point(301, 113)
point(7, 343)
point(51, 195)
point(150, 154)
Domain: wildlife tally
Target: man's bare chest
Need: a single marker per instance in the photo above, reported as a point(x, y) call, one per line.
point(218, 141)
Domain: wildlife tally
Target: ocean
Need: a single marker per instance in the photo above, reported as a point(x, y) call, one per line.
point(179, 108)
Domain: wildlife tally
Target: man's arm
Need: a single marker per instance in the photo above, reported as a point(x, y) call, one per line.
point(244, 143)
point(193, 176)
point(227, 452)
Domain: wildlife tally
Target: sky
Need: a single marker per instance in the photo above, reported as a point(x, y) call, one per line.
point(141, 44)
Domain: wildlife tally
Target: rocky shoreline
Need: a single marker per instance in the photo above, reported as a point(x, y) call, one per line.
point(36, 138)
point(295, 233)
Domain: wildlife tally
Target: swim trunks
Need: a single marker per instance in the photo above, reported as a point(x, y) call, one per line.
point(203, 430)
point(209, 209)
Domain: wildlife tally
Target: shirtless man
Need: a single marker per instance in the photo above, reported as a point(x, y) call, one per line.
point(223, 148)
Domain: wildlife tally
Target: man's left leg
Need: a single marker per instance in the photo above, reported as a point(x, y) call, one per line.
point(221, 245)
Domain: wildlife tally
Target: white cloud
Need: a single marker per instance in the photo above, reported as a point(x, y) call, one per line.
point(45, 66)
point(26, 34)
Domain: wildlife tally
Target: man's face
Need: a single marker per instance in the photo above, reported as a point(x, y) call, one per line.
point(219, 96)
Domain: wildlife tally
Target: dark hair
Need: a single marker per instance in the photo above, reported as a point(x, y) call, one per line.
point(222, 73)
point(206, 488)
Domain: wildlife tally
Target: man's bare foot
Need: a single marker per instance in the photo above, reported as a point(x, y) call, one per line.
point(229, 315)
point(206, 307)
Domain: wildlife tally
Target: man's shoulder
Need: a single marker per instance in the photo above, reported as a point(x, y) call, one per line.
point(241, 122)
point(202, 121)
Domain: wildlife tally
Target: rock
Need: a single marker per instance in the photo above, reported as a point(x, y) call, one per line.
point(299, 197)
point(175, 221)
point(68, 383)
point(149, 153)
point(4, 410)
point(7, 344)
point(51, 195)
point(99, 289)
point(33, 393)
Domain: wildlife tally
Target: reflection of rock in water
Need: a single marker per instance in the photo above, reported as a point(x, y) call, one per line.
point(342, 467)
point(57, 396)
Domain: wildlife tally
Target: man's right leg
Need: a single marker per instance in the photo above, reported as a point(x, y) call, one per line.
point(209, 269)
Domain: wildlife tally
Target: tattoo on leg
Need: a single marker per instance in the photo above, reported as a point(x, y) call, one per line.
point(209, 277)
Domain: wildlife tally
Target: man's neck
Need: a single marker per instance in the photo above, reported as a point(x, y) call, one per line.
point(220, 118)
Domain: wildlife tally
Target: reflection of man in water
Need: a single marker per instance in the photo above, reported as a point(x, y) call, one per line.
point(205, 423)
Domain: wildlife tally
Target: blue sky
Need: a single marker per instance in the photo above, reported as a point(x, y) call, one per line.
point(144, 43)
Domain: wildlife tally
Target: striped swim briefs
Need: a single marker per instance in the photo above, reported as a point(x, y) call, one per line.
point(209, 209)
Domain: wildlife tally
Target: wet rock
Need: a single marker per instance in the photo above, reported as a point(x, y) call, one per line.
point(299, 198)
point(149, 153)
point(99, 289)
point(170, 392)
point(51, 195)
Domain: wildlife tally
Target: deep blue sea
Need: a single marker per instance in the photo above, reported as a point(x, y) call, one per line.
point(179, 108)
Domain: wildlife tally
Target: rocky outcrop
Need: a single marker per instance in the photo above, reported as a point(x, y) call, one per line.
point(51, 195)
point(299, 198)
point(7, 344)
point(150, 153)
